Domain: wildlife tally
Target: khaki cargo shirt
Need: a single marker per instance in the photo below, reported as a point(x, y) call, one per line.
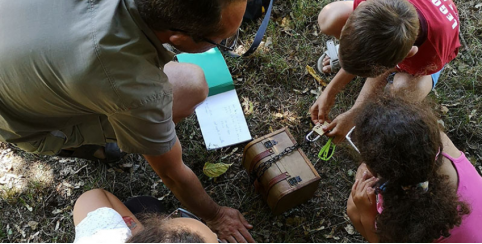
point(91, 69)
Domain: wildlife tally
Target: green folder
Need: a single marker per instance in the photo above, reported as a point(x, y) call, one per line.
point(215, 69)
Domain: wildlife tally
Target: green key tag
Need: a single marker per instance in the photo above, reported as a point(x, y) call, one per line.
point(327, 150)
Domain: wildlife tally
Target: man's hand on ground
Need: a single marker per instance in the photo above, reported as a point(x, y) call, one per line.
point(230, 226)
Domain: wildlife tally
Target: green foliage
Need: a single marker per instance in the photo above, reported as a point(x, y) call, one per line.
point(3, 234)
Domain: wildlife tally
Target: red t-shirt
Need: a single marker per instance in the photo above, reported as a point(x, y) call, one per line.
point(442, 37)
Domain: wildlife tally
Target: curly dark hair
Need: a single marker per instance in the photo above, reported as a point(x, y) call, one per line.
point(399, 141)
point(156, 231)
point(199, 17)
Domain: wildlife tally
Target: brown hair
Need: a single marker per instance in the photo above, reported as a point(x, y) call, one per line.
point(377, 36)
point(197, 17)
point(399, 141)
point(157, 231)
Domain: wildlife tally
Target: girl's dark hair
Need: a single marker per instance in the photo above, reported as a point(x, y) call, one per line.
point(399, 141)
point(196, 17)
point(156, 231)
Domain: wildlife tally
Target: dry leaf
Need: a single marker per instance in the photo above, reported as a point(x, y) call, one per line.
point(20, 230)
point(444, 110)
point(472, 114)
point(297, 91)
point(79, 184)
point(215, 170)
point(269, 42)
point(57, 225)
point(349, 229)
point(286, 23)
point(66, 184)
point(33, 236)
point(162, 198)
point(33, 225)
point(126, 165)
point(331, 235)
point(28, 207)
point(248, 106)
point(441, 122)
point(312, 72)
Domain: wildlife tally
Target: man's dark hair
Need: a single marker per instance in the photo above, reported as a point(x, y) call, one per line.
point(196, 17)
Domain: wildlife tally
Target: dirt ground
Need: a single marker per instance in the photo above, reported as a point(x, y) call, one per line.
point(37, 193)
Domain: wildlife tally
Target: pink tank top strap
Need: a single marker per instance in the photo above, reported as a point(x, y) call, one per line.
point(454, 160)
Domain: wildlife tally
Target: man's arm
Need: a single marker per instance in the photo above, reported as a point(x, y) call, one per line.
point(228, 223)
point(321, 108)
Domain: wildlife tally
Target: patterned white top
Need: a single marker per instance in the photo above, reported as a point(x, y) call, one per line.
point(103, 225)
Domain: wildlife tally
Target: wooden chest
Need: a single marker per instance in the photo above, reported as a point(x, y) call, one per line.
point(289, 180)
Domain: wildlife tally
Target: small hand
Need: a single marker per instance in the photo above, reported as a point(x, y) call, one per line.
point(363, 194)
point(231, 226)
point(321, 108)
point(340, 126)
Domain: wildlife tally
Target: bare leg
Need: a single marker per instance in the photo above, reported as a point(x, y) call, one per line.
point(333, 17)
point(331, 20)
point(410, 87)
point(189, 88)
point(98, 198)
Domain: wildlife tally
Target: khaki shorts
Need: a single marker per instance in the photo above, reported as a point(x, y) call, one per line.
point(96, 130)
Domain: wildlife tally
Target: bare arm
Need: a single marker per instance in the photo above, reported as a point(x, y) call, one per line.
point(342, 78)
point(228, 223)
point(321, 108)
point(363, 197)
point(183, 182)
point(340, 126)
point(372, 87)
point(368, 223)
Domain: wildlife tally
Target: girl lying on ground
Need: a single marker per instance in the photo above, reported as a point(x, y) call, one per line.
point(414, 184)
point(101, 217)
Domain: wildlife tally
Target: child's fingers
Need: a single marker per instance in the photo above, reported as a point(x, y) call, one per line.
point(314, 113)
point(371, 195)
point(366, 175)
point(329, 127)
point(321, 116)
point(361, 171)
point(362, 187)
point(353, 188)
point(369, 183)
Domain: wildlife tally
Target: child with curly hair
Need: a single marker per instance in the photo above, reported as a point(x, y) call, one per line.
point(414, 184)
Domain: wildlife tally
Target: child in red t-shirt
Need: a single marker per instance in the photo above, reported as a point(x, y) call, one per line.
point(412, 39)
